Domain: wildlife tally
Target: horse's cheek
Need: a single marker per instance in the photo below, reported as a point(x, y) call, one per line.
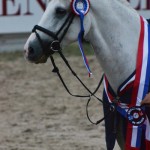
point(87, 24)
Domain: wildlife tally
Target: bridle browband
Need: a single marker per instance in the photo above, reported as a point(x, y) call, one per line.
point(55, 47)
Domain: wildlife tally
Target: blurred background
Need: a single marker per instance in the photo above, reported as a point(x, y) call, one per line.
point(36, 113)
point(17, 18)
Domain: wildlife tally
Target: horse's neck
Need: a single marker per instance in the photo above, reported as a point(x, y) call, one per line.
point(114, 36)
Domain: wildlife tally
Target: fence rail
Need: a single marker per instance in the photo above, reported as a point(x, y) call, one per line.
point(13, 42)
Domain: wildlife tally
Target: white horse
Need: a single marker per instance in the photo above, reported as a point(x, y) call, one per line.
point(111, 26)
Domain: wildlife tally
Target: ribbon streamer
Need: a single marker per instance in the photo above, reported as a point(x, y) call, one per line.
point(80, 37)
point(81, 8)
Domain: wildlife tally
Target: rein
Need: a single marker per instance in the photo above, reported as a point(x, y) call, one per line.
point(91, 94)
point(55, 47)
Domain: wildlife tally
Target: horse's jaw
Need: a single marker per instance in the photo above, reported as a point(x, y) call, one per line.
point(41, 60)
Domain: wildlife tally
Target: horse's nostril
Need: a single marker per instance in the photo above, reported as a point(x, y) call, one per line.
point(31, 51)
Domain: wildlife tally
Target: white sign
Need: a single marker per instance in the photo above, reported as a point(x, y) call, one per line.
point(19, 16)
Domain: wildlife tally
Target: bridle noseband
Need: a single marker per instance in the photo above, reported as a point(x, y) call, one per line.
point(56, 37)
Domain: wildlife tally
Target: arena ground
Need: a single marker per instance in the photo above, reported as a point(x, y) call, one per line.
point(36, 113)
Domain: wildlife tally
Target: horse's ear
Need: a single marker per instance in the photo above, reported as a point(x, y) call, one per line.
point(80, 7)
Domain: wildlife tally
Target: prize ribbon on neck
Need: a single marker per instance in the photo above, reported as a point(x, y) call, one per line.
point(81, 8)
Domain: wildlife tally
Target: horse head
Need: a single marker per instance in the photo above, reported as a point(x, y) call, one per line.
point(58, 25)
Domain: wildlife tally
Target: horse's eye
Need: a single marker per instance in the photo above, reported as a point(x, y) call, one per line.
point(60, 11)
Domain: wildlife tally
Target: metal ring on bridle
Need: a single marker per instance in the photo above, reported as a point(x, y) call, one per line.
point(55, 46)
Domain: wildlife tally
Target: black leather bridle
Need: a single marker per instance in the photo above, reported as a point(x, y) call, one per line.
point(55, 47)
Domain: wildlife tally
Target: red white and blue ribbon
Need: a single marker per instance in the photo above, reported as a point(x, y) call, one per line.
point(140, 89)
point(140, 82)
point(81, 8)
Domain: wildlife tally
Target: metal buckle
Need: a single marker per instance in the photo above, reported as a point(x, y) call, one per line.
point(112, 108)
point(55, 46)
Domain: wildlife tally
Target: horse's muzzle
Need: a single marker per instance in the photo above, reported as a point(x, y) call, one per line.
point(34, 53)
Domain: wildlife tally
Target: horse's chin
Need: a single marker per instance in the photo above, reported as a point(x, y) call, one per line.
point(41, 60)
